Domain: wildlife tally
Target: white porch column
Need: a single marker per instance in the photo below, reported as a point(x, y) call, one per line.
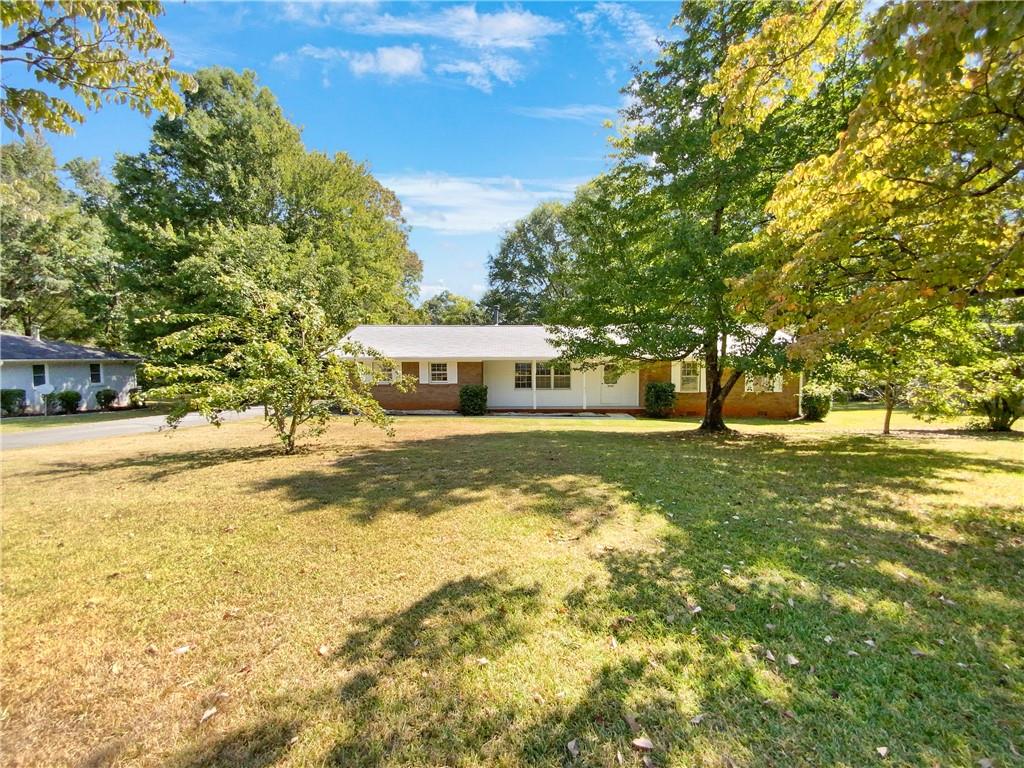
point(533, 382)
point(583, 374)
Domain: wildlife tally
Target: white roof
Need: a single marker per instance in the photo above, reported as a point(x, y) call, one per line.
point(456, 342)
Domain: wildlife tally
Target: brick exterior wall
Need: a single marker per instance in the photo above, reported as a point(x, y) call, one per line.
point(739, 404)
point(428, 397)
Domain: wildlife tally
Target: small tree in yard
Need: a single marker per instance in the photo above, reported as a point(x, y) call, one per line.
point(277, 351)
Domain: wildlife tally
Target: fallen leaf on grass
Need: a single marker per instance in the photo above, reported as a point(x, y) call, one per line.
point(769, 655)
point(483, 660)
point(573, 747)
point(792, 660)
point(181, 650)
point(869, 643)
point(695, 720)
point(917, 652)
point(630, 718)
point(642, 744)
point(985, 763)
point(789, 714)
point(882, 751)
point(207, 715)
point(323, 651)
point(648, 763)
point(618, 757)
point(828, 639)
point(115, 668)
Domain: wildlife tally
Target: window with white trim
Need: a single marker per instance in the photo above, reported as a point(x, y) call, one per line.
point(755, 384)
point(554, 376)
point(439, 373)
point(95, 373)
point(524, 376)
point(689, 376)
point(38, 375)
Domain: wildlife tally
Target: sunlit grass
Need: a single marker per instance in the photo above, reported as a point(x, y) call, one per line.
point(484, 591)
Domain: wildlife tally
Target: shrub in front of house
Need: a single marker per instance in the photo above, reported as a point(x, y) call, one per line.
point(106, 398)
point(816, 401)
point(659, 398)
point(12, 401)
point(136, 399)
point(69, 400)
point(473, 400)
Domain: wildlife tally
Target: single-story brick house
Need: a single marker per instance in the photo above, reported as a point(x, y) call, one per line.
point(37, 366)
point(515, 362)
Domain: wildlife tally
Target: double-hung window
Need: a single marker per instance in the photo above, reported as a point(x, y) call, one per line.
point(554, 376)
point(439, 373)
point(689, 376)
point(38, 375)
point(756, 384)
point(524, 376)
point(95, 373)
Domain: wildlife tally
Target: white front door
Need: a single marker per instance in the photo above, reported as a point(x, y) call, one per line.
point(619, 387)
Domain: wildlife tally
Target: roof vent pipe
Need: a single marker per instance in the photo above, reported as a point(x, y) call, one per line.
point(35, 331)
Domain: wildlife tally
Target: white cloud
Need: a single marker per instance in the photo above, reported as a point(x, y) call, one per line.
point(584, 113)
point(464, 205)
point(391, 62)
point(508, 28)
point(481, 73)
point(620, 31)
point(429, 291)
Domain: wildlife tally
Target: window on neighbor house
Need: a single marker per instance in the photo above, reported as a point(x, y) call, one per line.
point(689, 376)
point(612, 374)
point(438, 373)
point(770, 383)
point(95, 373)
point(523, 376)
point(554, 376)
point(38, 375)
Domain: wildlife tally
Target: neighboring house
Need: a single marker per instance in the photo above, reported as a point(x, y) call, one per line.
point(514, 361)
point(35, 365)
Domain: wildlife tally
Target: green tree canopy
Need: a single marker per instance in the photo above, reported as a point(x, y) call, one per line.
point(100, 50)
point(232, 164)
point(653, 237)
point(447, 308)
point(919, 206)
point(522, 276)
point(57, 267)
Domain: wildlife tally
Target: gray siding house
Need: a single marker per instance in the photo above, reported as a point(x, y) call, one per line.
point(35, 364)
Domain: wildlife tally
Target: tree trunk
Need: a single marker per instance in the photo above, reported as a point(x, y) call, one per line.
point(890, 399)
point(714, 400)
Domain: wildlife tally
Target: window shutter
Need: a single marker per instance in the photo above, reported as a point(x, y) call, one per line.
point(777, 383)
point(676, 373)
point(703, 386)
point(453, 372)
point(424, 372)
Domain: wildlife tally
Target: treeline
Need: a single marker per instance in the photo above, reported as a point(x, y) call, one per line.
point(225, 192)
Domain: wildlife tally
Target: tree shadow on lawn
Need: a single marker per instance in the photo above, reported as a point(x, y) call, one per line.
point(808, 549)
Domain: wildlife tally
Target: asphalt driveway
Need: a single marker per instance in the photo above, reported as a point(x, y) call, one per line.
point(72, 434)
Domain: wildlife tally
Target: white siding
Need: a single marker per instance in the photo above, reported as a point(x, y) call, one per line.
point(499, 376)
point(16, 374)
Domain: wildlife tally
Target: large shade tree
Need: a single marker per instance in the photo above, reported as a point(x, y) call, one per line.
point(232, 162)
point(99, 50)
point(57, 269)
point(653, 237)
point(523, 276)
point(919, 205)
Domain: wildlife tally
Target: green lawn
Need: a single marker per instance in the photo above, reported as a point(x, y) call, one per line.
point(24, 423)
point(486, 591)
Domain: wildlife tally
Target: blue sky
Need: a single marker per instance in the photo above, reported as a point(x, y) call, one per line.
point(471, 113)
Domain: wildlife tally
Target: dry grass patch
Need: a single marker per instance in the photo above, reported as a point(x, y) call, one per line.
point(482, 592)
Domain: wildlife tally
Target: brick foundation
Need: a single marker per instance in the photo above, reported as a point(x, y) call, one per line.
point(428, 397)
